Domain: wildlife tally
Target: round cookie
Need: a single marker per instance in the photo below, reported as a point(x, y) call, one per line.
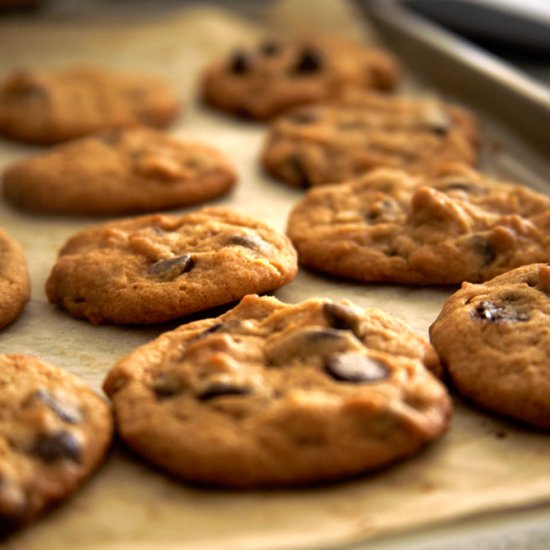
point(278, 74)
point(45, 107)
point(494, 341)
point(342, 139)
point(155, 268)
point(121, 171)
point(14, 280)
point(54, 432)
point(391, 226)
point(271, 394)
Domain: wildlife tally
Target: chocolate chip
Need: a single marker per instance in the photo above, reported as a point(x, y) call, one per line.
point(340, 316)
point(171, 268)
point(239, 63)
point(355, 367)
point(309, 61)
point(493, 313)
point(249, 241)
point(65, 411)
point(222, 389)
point(382, 211)
point(297, 167)
point(484, 249)
point(165, 386)
point(55, 446)
point(270, 47)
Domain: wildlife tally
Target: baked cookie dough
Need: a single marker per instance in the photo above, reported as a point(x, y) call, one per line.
point(54, 432)
point(345, 138)
point(271, 394)
point(14, 279)
point(494, 342)
point(118, 172)
point(155, 268)
point(391, 226)
point(278, 74)
point(45, 107)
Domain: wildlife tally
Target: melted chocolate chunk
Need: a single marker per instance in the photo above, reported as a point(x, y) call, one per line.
point(493, 313)
point(56, 446)
point(484, 249)
point(296, 164)
point(340, 316)
point(165, 386)
point(239, 63)
point(309, 61)
point(65, 411)
point(249, 241)
point(270, 47)
point(222, 389)
point(382, 211)
point(355, 367)
point(171, 268)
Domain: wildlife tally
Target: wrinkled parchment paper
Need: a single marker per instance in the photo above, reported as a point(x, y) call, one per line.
point(482, 465)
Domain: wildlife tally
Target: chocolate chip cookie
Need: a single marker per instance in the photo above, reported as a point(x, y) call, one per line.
point(345, 138)
point(456, 225)
point(54, 432)
point(121, 171)
point(278, 74)
point(494, 341)
point(271, 394)
point(155, 268)
point(14, 279)
point(45, 107)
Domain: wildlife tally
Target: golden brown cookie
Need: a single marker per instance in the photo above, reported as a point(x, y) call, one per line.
point(347, 137)
point(54, 432)
point(155, 268)
point(14, 280)
point(44, 107)
point(391, 226)
point(121, 171)
point(278, 74)
point(271, 394)
point(494, 342)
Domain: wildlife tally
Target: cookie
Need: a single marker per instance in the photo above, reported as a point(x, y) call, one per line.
point(278, 74)
point(271, 394)
point(494, 341)
point(155, 268)
point(45, 107)
point(391, 226)
point(345, 138)
point(121, 171)
point(14, 280)
point(54, 432)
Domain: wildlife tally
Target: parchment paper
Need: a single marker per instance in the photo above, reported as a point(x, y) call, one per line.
point(482, 465)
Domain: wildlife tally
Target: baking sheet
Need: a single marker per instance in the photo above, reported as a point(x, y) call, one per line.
point(481, 466)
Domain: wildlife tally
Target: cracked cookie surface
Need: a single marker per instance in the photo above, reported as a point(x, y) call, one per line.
point(390, 226)
point(278, 74)
point(14, 279)
point(494, 340)
point(54, 432)
point(345, 138)
point(45, 107)
point(271, 394)
point(151, 269)
point(121, 171)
